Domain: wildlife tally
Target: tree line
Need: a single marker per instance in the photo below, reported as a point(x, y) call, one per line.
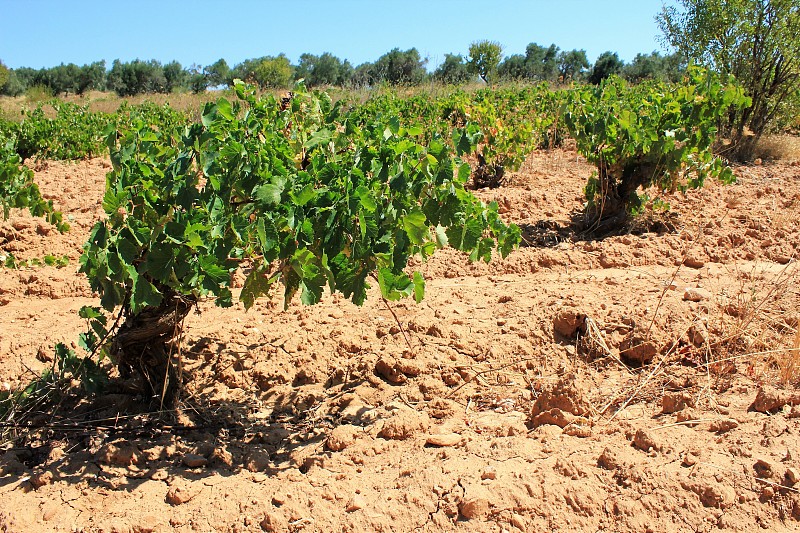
point(755, 41)
point(396, 67)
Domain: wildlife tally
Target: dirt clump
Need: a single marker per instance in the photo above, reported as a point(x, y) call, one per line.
point(771, 400)
point(562, 404)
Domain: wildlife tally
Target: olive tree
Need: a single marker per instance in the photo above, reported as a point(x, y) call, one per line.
point(453, 70)
point(5, 74)
point(607, 64)
point(484, 56)
point(572, 65)
point(757, 41)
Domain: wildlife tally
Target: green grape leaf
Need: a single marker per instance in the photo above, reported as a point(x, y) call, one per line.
point(160, 261)
point(270, 193)
point(415, 225)
point(394, 286)
point(144, 295)
point(256, 284)
point(419, 287)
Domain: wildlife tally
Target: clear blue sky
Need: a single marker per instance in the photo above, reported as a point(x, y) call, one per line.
point(44, 33)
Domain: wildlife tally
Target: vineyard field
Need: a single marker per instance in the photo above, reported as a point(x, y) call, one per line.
point(574, 385)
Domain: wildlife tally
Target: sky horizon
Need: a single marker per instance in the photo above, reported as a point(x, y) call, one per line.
point(204, 31)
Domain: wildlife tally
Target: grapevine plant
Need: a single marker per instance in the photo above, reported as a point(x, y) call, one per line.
point(18, 190)
point(513, 123)
point(504, 125)
point(652, 134)
point(60, 130)
point(307, 197)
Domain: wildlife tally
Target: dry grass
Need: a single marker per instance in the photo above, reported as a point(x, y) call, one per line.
point(108, 102)
point(790, 364)
point(778, 148)
point(759, 325)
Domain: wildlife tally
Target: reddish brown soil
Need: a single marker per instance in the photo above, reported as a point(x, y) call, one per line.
point(574, 386)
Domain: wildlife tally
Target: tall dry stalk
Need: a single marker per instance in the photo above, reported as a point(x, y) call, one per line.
point(790, 369)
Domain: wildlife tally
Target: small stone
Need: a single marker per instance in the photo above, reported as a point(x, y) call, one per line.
point(578, 429)
point(767, 493)
point(278, 499)
point(409, 368)
point(451, 377)
point(473, 508)
point(567, 322)
point(441, 408)
point(194, 461)
point(608, 460)
point(696, 294)
point(124, 455)
point(792, 475)
point(178, 495)
point(519, 522)
point(356, 503)
point(489, 473)
point(723, 425)
point(445, 440)
point(44, 355)
point(56, 454)
point(565, 395)
point(221, 456)
point(637, 351)
point(159, 475)
point(689, 459)
point(719, 496)
point(555, 417)
point(698, 335)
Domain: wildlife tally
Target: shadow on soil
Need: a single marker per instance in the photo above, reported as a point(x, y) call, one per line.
point(118, 440)
point(550, 233)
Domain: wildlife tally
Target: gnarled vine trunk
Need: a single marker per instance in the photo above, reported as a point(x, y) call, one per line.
point(143, 345)
point(488, 175)
point(616, 194)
